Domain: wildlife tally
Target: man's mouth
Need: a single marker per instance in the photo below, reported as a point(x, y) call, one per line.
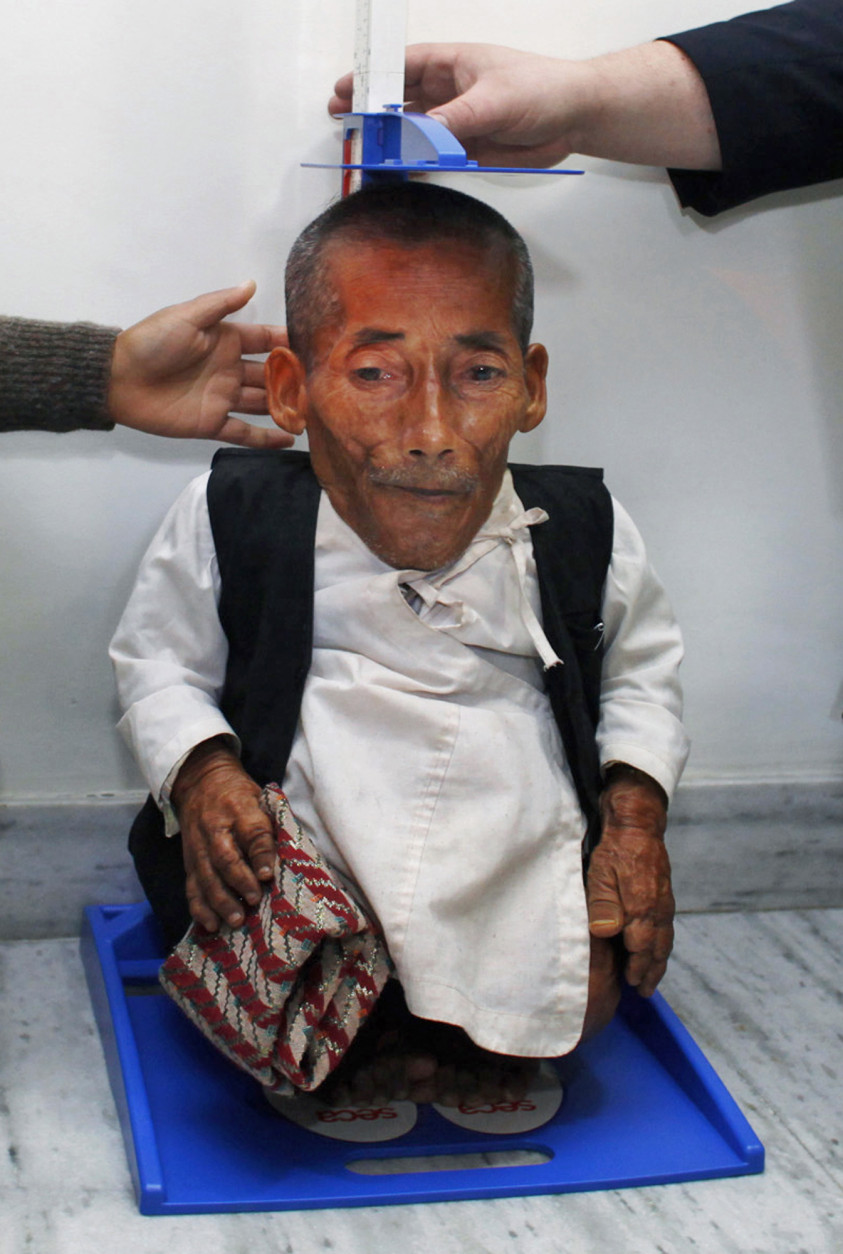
point(431, 492)
point(452, 483)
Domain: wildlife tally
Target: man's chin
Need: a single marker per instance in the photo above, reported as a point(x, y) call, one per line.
point(419, 548)
point(418, 554)
point(410, 531)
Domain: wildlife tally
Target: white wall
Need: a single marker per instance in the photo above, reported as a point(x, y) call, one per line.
point(151, 151)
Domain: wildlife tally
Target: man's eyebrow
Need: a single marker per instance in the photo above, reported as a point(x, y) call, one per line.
point(482, 340)
point(375, 335)
point(488, 340)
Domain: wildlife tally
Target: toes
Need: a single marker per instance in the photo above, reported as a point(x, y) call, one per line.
point(420, 1067)
point(447, 1088)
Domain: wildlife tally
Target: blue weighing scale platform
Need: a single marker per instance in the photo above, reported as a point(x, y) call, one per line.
point(641, 1106)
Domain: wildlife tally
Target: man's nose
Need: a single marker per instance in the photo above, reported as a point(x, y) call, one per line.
point(428, 429)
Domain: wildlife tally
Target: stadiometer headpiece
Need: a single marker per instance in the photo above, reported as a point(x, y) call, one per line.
point(380, 141)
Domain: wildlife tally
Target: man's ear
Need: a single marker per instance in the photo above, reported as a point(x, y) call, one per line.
point(286, 394)
point(535, 377)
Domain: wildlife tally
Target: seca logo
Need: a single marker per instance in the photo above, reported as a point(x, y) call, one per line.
point(496, 1108)
point(348, 1116)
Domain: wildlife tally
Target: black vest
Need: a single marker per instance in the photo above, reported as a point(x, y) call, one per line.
point(263, 508)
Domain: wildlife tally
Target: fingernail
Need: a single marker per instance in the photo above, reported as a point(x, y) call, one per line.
point(235, 919)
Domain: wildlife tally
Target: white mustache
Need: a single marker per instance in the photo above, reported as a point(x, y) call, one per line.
point(445, 479)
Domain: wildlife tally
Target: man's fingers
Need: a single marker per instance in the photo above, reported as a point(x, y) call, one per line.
point(648, 945)
point(200, 911)
point(219, 879)
point(258, 845)
point(247, 435)
point(431, 70)
point(471, 114)
point(605, 908)
point(228, 860)
point(208, 899)
point(428, 76)
point(261, 337)
point(417, 59)
point(205, 310)
point(648, 935)
point(605, 916)
point(216, 892)
point(644, 972)
point(340, 102)
point(253, 376)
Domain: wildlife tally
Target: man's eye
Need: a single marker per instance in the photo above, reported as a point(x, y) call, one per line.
point(484, 373)
point(371, 374)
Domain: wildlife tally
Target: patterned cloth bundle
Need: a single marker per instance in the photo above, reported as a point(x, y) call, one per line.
point(284, 994)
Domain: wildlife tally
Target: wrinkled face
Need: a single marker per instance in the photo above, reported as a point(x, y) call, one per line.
point(415, 393)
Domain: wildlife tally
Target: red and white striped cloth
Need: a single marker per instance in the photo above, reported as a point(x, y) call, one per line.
point(284, 994)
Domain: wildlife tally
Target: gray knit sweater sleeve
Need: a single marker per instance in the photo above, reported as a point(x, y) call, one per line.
point(54, 375)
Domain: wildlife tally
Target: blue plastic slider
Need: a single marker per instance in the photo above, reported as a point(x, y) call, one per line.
point(391, 145)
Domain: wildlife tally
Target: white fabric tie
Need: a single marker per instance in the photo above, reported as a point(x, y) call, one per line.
point(435, 605)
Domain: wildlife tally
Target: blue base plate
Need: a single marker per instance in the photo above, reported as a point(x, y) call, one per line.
point(642, 1106)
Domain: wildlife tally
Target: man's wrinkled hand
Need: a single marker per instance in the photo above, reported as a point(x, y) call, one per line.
point(227, 839)
point(628, 888)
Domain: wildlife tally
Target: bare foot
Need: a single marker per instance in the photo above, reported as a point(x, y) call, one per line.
point(397, 1057)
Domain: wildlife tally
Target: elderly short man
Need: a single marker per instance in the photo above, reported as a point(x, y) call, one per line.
point(463, 675)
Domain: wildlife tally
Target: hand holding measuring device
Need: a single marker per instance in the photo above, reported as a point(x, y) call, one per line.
point(380, 141)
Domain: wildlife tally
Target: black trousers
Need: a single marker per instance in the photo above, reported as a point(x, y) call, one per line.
point(160, 867)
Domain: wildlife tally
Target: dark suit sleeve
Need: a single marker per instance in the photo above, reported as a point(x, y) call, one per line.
point(775, 81)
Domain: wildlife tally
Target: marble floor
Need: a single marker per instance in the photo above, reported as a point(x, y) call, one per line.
point(761, 992)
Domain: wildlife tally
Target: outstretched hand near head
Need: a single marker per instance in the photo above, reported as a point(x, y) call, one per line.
point(628, 889)
point(504, 106)
point(227, 839)
point(183, 371)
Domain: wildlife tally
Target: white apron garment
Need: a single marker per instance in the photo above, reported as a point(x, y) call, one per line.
point(435, 779)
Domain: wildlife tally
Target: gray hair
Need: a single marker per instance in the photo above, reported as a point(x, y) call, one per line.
point(409, 214)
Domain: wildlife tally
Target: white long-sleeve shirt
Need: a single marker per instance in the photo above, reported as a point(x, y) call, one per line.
point(427, 765)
